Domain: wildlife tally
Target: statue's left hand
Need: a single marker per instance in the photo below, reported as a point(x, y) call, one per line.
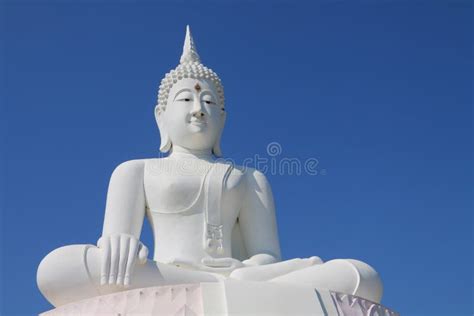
point(221, 264)
point(118, 257)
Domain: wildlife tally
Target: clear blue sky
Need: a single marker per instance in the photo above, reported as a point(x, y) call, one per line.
point(379, 91)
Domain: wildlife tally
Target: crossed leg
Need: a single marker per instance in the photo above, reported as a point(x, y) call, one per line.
point(341, 275)
point(72, 273)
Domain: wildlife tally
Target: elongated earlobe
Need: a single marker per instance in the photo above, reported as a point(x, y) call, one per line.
point(216, 150)
point(165, 145)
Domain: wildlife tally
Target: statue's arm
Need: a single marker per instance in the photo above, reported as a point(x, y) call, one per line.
point(258, 221)
point(125, 207)
point(124, 214)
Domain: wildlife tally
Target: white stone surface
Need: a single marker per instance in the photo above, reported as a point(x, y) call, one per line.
point(227, 298)
point(211, 221)
point(186, 299)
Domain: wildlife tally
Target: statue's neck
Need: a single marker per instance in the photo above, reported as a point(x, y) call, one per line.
point(179, 152)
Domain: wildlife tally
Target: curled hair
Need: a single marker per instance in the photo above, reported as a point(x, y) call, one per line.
point(194, 70)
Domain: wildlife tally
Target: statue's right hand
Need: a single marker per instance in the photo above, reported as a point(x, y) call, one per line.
point(119, 253)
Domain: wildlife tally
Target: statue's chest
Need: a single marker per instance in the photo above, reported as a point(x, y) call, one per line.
point(172, 187)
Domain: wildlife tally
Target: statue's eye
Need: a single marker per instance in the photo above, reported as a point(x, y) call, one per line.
point(185, 99)
point(208, 102)
point(184, 96)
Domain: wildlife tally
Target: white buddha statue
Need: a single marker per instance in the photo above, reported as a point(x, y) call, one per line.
point(211, 220)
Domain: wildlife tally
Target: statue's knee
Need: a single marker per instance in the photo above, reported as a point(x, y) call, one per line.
point(53, 263)
point(62, 270)
point(369, 283)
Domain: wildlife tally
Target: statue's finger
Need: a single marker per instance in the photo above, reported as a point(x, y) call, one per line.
point(132, 254)
point(142, 253)
point(123, 257)
point(210, 262)
point(216, 262)
point(114, 257)
point(105, 260)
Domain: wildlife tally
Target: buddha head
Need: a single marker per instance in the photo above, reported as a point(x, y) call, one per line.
point(190, 109)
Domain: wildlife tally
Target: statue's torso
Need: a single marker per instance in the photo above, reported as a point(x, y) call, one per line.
point(176, 198)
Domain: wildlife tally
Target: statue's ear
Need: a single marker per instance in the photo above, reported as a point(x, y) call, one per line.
point(216, 150)
point(165, 140)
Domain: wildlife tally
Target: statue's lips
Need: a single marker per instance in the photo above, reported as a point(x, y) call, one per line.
point(197, 123)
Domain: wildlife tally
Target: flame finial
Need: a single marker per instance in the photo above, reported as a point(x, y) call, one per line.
point(190, 54)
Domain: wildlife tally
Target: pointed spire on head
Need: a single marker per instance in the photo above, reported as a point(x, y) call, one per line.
point(189, 49)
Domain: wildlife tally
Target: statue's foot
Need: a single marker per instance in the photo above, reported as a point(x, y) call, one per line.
point(342, 275)
point(268, 272)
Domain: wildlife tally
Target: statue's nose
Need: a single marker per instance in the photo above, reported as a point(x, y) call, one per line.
point(197, 109)
point(199, 114)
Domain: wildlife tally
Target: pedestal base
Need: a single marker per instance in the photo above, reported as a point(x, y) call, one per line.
point(226, 298)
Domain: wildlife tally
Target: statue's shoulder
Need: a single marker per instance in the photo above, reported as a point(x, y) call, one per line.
point(251, 176)
point(157, 166)
point(252, 182)
point(255, 175)
point(132, 164)
point(153, 161)
point(131, 168)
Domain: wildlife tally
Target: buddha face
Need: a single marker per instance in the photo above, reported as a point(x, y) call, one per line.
point(193, 117)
